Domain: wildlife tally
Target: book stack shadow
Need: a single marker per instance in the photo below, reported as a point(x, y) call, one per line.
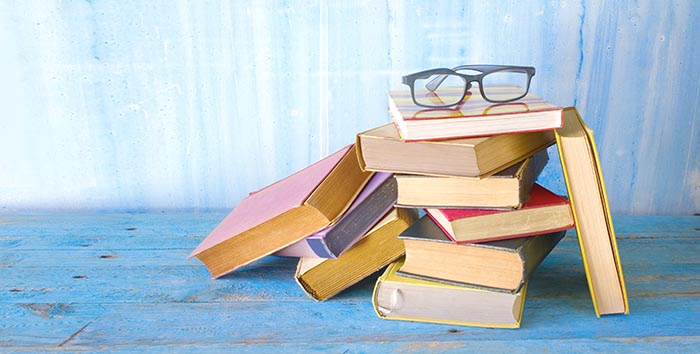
point(456, 221)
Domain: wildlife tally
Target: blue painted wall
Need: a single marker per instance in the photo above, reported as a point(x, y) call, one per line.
point(135, 105)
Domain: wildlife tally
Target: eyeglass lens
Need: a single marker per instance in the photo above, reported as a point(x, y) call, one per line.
point(505, 85)
point(448, 92)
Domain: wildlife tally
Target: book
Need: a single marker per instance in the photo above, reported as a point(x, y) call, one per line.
point(283, 213)
point(507, 189)
point(503, 265)
point(381, 149)
point(472, 117)
point(322, 278)
point(544, 211)
point(375, 200)
point(594, 226)
point(396, 297)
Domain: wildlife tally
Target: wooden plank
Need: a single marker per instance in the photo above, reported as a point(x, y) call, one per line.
point(58, 293)
point(276, 322)
point(272, 280)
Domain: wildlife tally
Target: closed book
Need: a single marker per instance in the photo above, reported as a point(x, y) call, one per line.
point(283, 213)
point(507, 189)
point(594, 226)
point(397, 297)
point(503, 265)
point(544, 212)
point(322, 278)
point(472, 117)
point(381, 149)
point(376, 198)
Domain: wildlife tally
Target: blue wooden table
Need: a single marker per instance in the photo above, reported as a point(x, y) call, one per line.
point(122, 283)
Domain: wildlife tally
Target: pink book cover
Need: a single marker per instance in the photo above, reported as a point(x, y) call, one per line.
point(539, 197)
point(304, 247)
point(272, 201)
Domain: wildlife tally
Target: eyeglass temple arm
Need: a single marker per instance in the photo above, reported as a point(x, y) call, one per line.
point(433, 84)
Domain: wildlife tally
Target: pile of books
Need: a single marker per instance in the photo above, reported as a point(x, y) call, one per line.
point(456, 217)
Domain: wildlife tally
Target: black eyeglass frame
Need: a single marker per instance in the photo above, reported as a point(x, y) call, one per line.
point(468, 79)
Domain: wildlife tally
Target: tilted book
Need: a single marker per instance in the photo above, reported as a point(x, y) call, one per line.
point(322, 278)
point(283, 213)
point(543, 212)
point(376, 198)
point(397, 297)
point(473, 117)
point(584, 182)
point(381, 149)
point(503, 265)
point(507, 189)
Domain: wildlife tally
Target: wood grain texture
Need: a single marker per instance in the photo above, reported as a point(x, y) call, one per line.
point(58, 292)
point(191, 105)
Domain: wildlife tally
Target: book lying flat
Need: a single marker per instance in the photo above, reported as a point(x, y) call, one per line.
point(473, 117)
point(507, 189)
point(376, 198)
point(594, 226)
point(503, 265)
point(381, 149)
point(322, 278)
point(543, 212)
point(283, 213)
point(397, 297)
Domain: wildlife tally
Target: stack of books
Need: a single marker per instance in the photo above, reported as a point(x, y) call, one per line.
point(487, 223)
point(454, 214)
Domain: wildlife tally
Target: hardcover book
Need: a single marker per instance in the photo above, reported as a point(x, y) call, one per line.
point(397, 297)
point(472, 117)
point(507, 189)
point(322, 278)
point(503, 265)
point(376, 198)
point(543, 212)
point(283, 213)
point(381, 149)
point(594, 226)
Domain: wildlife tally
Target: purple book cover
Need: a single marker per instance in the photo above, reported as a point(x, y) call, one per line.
point(317, 245)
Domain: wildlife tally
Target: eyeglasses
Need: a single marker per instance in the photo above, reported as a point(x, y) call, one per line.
point(447, 87)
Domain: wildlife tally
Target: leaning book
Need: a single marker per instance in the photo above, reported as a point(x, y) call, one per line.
point(397, 297)
point(322, 278)
point(378, 196)
point(594, 226)
point(283, 213)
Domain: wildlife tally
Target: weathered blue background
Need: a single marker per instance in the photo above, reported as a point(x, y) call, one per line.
point(134, 105)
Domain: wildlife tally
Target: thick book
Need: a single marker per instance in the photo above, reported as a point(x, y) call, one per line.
point(283, 213)
point(473, 117)
point(321, 278)
point(397, 297)
point(594, 226)
point(544, 212)
point(381, 149)
point(503, 265)
point(375, 200)
point(507, 189)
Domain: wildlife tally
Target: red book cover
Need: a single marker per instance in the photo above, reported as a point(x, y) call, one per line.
point(503, 224)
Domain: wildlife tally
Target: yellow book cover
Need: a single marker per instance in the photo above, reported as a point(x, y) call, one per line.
point(397, 297)
point(589, 202)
